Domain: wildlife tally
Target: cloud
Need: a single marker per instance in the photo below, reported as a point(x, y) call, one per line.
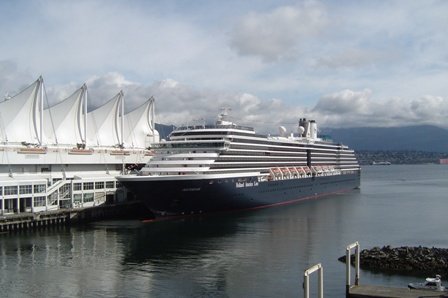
point(293, 50)
point(279, 33)
point(344, 102)
point(355, 58)
point(179, 103)
point(11, 78)
point(350, 108)
point(432, 108)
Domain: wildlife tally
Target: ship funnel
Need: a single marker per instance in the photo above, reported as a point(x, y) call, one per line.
point(303, 127)
point(313, 129)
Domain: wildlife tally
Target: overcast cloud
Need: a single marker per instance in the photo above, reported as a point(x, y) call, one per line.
point(345, 63)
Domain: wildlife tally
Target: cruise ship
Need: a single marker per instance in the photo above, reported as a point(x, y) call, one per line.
point(222, 167)
point(63, 156)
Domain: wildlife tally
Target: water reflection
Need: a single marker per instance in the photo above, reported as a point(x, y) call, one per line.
point(248, 254)
point(261, 253)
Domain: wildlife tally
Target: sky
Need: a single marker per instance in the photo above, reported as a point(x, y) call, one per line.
point(343, 63)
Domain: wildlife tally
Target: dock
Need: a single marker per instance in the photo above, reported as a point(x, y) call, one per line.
point(358, 290)
point(72, 216)
point(374, 291)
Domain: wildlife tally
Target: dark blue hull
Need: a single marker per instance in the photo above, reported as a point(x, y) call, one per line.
point(182, 197)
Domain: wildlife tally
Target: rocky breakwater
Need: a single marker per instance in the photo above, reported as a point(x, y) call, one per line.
point(417, 261)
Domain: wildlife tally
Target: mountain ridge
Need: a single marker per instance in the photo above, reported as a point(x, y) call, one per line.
point(412, 138)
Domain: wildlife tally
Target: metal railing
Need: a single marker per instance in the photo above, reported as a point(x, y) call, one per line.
point(348, 263)
point(320, 281)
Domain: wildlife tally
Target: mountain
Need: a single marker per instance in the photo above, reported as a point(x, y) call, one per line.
point(414, 138)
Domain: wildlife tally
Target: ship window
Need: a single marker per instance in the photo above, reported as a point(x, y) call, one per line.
point(25, 189)
point(39, 188)
point(99, 185)
point(88, 185)
point(77, 186)
point(39, 201)
point(110, 184)
point(10, 190)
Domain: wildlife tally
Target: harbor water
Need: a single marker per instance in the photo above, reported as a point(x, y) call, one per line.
point(260, 253)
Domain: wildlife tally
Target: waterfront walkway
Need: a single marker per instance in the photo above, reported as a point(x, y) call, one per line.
point(371, 291)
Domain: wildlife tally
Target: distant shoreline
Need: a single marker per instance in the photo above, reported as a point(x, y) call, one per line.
point(368, 157)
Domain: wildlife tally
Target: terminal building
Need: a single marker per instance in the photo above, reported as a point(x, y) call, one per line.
point(64, 156)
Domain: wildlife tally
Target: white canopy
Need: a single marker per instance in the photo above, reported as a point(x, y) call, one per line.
point(138, 126)
point(104, 127)
point(21, 116)
point(64, 122)
point(23, 120)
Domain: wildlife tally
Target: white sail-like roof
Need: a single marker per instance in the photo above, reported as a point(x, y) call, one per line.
point(138, 126)
point(103, 124)
point(64, 122)
point(21, 116)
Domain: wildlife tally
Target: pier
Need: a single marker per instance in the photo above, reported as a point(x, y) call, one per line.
point(61, 217)
point(27, 221)
point(357, 290)
point(366, 291)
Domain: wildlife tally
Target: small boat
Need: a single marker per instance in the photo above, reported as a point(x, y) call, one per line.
point(381, 163)
point(431, 283)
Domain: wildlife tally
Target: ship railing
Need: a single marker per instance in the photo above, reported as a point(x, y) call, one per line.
point(191, 127)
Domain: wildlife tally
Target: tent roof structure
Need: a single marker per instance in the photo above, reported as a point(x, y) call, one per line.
point(67, 123)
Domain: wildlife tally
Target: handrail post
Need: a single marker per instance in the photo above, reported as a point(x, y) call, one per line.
point(348, 263)
point(306, 281)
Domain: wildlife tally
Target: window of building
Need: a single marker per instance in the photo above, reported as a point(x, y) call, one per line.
point(110, 184)
point(39, 201)
point(39, 188)
point(77, 198)
point(77, 186)
point(88, 197)
point(1, 190)
point(118, 184)
point(99, 185)
point(10, 190)
point(88, 185)
point(25, 189)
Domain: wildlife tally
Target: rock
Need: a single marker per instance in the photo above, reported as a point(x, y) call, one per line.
point(417, 261)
